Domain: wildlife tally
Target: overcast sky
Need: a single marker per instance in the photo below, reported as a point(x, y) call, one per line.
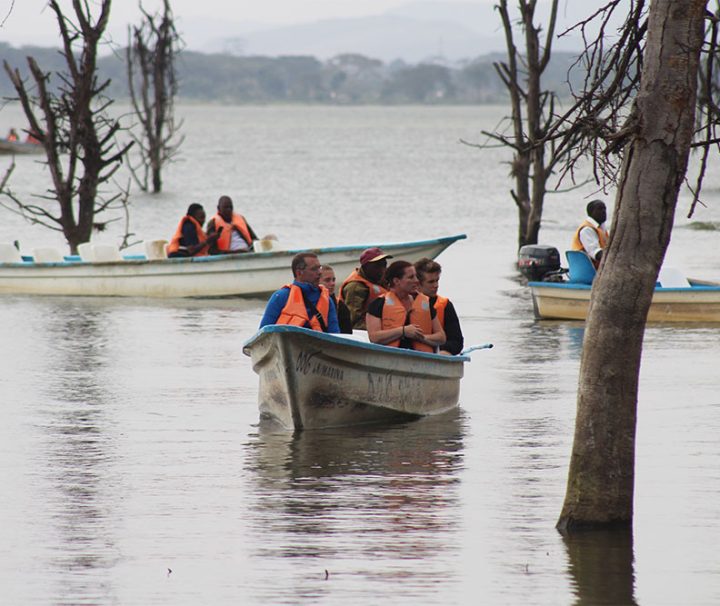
point(31, 22)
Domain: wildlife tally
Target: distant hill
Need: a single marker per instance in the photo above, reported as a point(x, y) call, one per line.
point(346, 78)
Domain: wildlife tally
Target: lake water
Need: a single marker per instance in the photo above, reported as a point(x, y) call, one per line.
point(134, 470)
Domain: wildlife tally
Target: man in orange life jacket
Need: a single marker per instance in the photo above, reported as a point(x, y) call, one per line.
point(189, 239)
point(428, 274)
point(592, 235)
point(362, 286)
point(305, 302)
point(236, 236)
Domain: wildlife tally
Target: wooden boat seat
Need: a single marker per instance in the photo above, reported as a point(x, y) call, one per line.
point(580, 267)
point(105, 253)
point(155, 249)
point(9, 254)
point(47, 254)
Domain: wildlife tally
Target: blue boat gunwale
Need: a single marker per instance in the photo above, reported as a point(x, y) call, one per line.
point(340, 340)
point(576, 286)
point(75, 260)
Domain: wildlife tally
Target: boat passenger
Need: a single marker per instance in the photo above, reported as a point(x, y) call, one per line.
point(32, 138)
point(328, 280)
point(428, 274)
point(12, 136)
point(237, 236)
point(592, 235)
point(189, 239)
point(363, 286)
point(403, 317)
point(305, 302)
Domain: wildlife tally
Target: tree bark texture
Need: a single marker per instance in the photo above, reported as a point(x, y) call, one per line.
point(601, 476)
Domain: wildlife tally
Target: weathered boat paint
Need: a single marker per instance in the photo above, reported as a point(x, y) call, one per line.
point(247, 274)
point(313, 380)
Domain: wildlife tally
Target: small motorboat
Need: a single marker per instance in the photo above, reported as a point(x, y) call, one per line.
point(313, 380)
point(19, 147)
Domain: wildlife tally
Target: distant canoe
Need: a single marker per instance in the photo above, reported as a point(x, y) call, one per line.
point(245, 274)
point(313, 380)
point(18, 147)
point(699, 302)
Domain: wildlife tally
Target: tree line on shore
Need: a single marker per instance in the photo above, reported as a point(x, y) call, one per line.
point(344, 79)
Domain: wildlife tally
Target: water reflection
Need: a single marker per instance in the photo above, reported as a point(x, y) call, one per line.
point(74, 422)
point(379, 502)
point(601, 567)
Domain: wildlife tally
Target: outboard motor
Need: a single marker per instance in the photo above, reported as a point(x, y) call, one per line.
point(536, 261)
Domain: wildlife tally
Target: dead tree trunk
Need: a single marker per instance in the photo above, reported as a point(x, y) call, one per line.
point(531, 115)
point(73, 129)
point(601, 476)
point(152, 82)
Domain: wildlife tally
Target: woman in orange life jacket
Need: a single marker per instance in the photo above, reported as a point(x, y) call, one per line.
point(403, 317)
point(428, 273)
point(189, 239)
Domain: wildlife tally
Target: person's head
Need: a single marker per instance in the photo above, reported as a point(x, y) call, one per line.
point(306, 268)
point(197, 212)
point(327, 278)
point(373, 262)
point(225, 208)
point(597, 210)
point(400, 277)
point(428, 275)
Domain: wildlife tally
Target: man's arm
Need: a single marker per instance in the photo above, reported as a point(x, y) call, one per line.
point(453, 333)
point(355, 294)
point(275, 306)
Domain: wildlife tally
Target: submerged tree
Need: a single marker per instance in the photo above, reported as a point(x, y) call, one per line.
point(532, 116)
point(74, 129)
point(654, 144)
point(152, 80)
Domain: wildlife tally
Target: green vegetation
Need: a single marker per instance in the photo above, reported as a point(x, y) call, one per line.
point(345, 79)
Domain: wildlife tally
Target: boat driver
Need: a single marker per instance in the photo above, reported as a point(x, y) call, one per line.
point(362, 286)
point(592, 235)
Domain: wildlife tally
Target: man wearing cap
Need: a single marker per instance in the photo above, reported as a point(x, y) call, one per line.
point(362, 286)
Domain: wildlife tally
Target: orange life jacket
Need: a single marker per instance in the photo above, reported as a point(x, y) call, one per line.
point(238, 221)
point(440, 305)
point(174, 245)
point(375, 289)
point(295, 313)
point(12, 137)
point(603, 236)
point(394, 315)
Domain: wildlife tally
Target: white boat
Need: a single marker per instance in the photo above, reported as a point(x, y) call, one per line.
point(245, 274)
point(20, 147)
point(675, 298)
point(313, 380)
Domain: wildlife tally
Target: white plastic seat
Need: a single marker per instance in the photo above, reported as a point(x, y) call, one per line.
point(106, 253)
point(671, 277)
point(266, 244)
point(156, 249)
point(86, 252)
point(47, 254)
point(9, 254)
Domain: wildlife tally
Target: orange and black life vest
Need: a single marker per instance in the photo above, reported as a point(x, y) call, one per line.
point(238, 222)
point(394, 315)
point(440, 305)
point(375, 289)
point(602, 234)
point(174, 245)
point(295, 312)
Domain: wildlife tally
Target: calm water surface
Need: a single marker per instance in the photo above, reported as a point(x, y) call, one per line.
point(134, 470)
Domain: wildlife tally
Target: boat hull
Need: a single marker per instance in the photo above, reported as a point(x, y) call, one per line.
point(564, 301)
point(249, 274)
point(18, 147)
point(311, 380)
